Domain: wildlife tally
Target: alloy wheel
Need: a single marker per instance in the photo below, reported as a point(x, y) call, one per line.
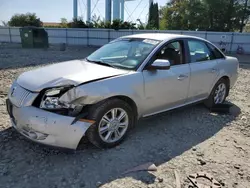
point(113, 125)
point(220, 93)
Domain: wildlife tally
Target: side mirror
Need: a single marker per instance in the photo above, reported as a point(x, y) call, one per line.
point(159, 64)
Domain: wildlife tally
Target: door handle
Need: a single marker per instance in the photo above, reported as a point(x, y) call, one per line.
point(182, 77)
point(213, 70)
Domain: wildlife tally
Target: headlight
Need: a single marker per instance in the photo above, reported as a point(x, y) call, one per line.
point(50, 99)
point(52, 103)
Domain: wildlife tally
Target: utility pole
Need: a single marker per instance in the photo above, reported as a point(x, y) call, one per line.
point(116, 9)
point(75, 7)
point(89, 11)
point(243, 16)
point(108, 5)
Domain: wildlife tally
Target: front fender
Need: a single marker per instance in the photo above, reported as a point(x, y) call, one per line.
point(130, 85)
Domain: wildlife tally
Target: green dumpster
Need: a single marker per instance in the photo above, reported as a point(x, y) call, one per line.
point(34, 37)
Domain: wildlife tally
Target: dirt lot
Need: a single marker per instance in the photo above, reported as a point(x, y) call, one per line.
point(187, 140)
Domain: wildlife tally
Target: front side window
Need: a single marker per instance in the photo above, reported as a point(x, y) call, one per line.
point(124, 53)
point(173, 52)
point(199, 51)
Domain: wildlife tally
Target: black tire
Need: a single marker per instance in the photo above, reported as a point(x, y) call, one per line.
point(96, 112)
point(209, 102)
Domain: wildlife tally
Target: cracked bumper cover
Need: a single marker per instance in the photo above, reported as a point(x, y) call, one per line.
point(48, 128)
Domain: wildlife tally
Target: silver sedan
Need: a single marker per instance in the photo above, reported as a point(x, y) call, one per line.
point(102, 96)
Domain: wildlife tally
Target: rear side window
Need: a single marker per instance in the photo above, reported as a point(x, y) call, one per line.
point(199, 51)
point(216, 52)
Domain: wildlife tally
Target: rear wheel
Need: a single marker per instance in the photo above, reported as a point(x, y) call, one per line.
point(113, 119)
point(218, 94)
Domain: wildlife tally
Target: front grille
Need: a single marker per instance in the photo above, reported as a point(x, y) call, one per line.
point(17, 94)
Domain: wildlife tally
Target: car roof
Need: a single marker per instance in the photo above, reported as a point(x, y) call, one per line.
point(160, 36)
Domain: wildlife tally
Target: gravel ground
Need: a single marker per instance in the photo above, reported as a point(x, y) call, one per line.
point(187, 140)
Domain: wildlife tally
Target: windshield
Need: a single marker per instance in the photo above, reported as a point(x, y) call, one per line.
point(124, 53)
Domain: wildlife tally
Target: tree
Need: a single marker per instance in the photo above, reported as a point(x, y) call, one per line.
point(211, 15)
point(156, 15)
point(230, 17)
point(96, 20)
point(244, 16)
point(28, 19)
point(64, 23)
point(176, 15)
point(153, 17)
point(119, 24)
point(247, 27)
point(77, 23)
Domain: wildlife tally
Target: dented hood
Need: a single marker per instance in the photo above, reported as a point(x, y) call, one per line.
point(67, 73)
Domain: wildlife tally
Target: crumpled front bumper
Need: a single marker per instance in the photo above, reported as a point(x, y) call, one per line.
point(46, 127)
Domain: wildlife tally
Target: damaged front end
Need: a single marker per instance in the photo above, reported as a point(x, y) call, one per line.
point(47, 120)
point(49, 100)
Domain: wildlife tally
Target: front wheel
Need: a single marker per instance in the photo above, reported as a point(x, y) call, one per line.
point(218, 94)
point(113, 119)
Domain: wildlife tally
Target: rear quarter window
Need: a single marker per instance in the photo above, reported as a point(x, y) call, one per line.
point(216, 52)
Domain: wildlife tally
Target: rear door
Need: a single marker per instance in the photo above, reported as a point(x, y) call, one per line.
point(203, 67)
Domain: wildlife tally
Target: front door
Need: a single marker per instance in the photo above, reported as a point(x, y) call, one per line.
point(166, 89)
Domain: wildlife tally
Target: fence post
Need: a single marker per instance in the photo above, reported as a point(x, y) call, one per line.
point(232, 40)
point(108, 35)
point(88, 37)
point(66, 36)
point(10, 35)
point(206, 35)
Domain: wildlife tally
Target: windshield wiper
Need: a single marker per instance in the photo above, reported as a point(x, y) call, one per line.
point(101, 63)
